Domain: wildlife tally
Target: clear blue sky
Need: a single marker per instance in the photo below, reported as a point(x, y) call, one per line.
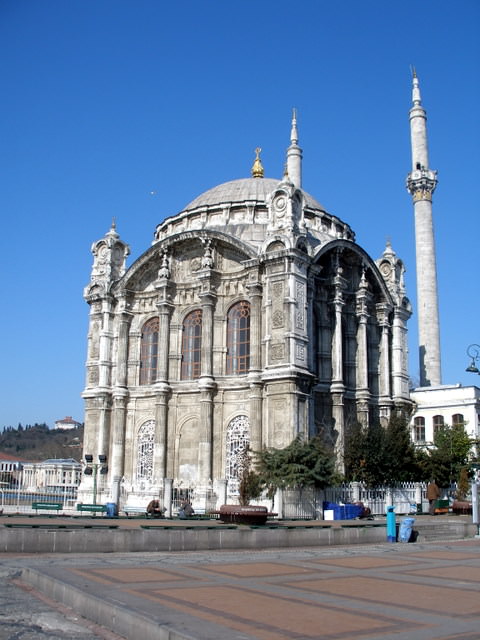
point(106, 101)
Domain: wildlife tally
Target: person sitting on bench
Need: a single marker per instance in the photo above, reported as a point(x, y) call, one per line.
point(186, 510)
point(154, 509)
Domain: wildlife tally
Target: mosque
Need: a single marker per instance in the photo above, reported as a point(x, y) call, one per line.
point(253, 317)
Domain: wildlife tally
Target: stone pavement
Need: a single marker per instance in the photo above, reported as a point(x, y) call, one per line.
point(383, 591)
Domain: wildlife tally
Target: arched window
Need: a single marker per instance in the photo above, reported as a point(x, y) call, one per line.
point(438, 423)
point(192, 346)
point(458, 420)
point(149, 352)
point(419, 429)
point(145, 446)
point(238, 440)
point(238, 338)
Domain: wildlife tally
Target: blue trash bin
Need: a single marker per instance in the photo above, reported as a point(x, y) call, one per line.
point(406, 528)
point(111, 509)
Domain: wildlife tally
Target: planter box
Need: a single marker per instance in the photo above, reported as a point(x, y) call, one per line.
point(243, 515)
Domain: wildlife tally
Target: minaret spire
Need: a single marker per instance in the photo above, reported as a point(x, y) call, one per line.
point(421, 183)
point(294, 154)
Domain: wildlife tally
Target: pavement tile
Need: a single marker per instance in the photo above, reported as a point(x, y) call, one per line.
point(257, 569)
point(128, 575)
point(414, 596)
point(462, 574)
point(273, 617)
point(363, 562)
point(377, 592)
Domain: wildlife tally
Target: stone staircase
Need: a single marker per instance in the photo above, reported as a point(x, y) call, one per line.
point(443, 528)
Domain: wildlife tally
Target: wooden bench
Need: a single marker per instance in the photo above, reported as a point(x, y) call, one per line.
point(50, 506)
point(130, 509)
point(441, 506)
point(93, 508)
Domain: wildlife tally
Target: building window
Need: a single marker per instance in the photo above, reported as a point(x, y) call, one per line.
point(238, 338)
point(458, 420)
point(419, 429)
point(438, 423)
point(192, 346)
point(145, 446)
point(238, 440)
point(149, 352)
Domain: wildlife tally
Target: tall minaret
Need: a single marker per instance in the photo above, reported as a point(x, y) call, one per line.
point(421, 183)
point(294, 155)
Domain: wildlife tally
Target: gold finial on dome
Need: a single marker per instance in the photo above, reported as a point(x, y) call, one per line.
point(257, 169)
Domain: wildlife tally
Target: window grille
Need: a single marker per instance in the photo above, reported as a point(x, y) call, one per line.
point(238, 338)
point(238, 440)
point(145, 447)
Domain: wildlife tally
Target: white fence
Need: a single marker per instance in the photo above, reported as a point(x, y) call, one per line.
point(289, 504)
point(308, 503)
point(20, 500)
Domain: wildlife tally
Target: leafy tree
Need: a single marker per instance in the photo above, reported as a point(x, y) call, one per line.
point(378, 455)
point(450, 454)
point(303, 463)
point(365, 455)
point(251, 485)
point(401, 461)
point(463, 484)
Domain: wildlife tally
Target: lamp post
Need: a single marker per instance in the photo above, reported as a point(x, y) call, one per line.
point(473, 352)
point(93, 468)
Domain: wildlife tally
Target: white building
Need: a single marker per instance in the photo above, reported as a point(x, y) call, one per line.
point(67, 423)
point(444, 405)
point(55, 474)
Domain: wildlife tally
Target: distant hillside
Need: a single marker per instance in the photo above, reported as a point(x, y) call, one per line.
point(37, 442)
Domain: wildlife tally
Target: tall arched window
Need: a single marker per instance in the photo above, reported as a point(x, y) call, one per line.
point(238, 338)
point(192, 346)
point(145, 446)
point(149, 352)
point(238, 440)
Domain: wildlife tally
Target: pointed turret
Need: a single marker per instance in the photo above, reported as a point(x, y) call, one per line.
point(109, 261)
point(257, 168)
point(421, 183)
point(294, 155)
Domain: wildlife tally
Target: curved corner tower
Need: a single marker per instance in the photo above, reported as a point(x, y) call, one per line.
point(421, 183)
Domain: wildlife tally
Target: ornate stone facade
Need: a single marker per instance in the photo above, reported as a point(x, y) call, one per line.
point(252, 318)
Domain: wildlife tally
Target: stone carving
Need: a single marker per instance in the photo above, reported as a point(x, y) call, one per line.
point(277, 290)
point(207, 260)
point(278, 319)
point(93, 376)
point(277, 351)
point(164, 271)
point(300, 313)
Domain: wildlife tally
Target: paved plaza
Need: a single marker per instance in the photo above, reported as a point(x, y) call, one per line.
point(384, 591)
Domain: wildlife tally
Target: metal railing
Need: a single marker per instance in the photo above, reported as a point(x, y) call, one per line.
point(17, 499)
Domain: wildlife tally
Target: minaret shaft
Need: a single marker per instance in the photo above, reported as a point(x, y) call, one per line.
point(421, 183)
point(294, 155)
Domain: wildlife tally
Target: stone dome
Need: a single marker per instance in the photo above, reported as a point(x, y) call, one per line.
point(243, 190)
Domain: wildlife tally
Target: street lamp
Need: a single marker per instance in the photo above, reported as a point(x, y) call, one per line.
point(93, 468)
point(473, 352)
